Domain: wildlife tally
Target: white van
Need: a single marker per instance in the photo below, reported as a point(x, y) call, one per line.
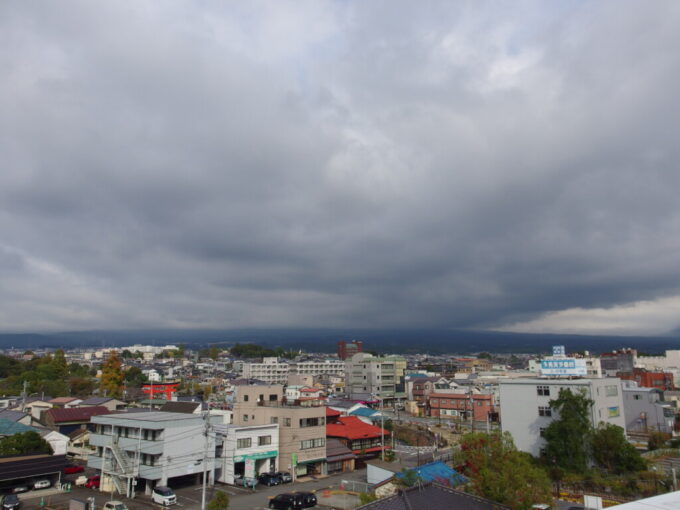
point(163, 496)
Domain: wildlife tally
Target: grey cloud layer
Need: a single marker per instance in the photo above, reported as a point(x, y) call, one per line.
point(334, 164)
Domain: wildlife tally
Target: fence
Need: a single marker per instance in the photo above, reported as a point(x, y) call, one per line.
point(355, 486)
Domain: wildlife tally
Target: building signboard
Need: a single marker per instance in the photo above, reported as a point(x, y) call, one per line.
point(256, 456)
point(558, 350)
point(565, 366)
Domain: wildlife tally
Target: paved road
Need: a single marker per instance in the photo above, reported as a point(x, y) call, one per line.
point(189, 498)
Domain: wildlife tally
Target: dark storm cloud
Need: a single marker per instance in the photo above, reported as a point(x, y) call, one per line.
point(336, 164)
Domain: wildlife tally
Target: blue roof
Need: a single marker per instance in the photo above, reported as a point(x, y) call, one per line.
point(438, 472)
point(9, 428)
point(364, 411)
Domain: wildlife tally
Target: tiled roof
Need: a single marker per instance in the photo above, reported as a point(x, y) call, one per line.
point(9, 414)
point(75, 414)
point(95, 401)
point(62, 400)
point(433, 497)
point(351, 427)
point(336, 451)
point(332, 412)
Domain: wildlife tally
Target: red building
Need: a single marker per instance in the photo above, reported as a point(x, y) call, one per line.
point(461, 405)
point(347, 350)
point(647, 379)
point(365, 441)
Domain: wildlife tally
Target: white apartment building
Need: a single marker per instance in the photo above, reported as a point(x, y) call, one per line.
point(273, 371)
point(246, 451)
point(526, 412)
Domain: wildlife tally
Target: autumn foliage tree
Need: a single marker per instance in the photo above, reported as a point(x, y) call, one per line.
point(111, 383)
point(500, 472)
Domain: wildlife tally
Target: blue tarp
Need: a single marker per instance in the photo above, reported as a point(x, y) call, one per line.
point(438, 472)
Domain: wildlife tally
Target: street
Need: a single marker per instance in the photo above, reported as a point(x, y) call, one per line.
point(189, 498)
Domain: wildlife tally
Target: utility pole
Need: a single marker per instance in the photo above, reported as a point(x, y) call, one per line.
point(206, 429)
point(23, 394)
point(382, 430)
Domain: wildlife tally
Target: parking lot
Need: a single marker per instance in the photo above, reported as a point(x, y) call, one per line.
point(188, 498)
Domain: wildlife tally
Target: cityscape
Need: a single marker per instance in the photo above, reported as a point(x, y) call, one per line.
point(339, 254)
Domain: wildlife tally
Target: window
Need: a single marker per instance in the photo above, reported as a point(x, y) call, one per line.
point(244, 442)
point(434, 401)
point(611, 391)
point(543, 391)
point(541, 431)
point(544, 411)
point(306, 444)
point(245, 398)
point(312, 422)
point(274, 419)
point(264, 440)
point(286, 422)
point(245, 417)
point(637, 397)
point(273, 398)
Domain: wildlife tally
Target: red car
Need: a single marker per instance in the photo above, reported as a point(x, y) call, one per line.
point(72, 469)
point(93, 482)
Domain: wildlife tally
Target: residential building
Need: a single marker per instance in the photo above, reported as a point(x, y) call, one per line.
point(645, 410)
point(366, 441)
point(649, 379)
point(271, 371)
point(339, 457)
point(317, 367)
point(369, 378)
point(302, 433)
point(112, 404)
point(151, 447)
point(613, 362)
point(463, 406)
point(432, 496)
point(66, 402)
point(68, 420)
point(526, 412)
point(246, 451)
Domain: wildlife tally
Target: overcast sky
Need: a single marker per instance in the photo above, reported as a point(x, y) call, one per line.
point(488, 165)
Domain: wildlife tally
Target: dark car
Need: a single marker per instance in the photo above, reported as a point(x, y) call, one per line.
point(11, 502)
point(285, 476)
point(307, 499)
point(270, 479)
point(20, 488)
point(285, 502)
point(72, 469)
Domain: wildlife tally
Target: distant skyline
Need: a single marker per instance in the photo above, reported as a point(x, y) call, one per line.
point(337, 164)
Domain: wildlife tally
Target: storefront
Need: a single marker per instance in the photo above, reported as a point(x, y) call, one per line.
point(309, 467)
point(251, 465)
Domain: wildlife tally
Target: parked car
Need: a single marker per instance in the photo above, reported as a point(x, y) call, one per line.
point(18, 489)
point(42, 484)
point(245, 481)
point(115, 505)
point(93, 482)
point(294, 501)
point(11, 502)
point(285, 476)
point(163, 496)
point(72, 469)
point(285, 501)
point(270, 479)
point(308, 499)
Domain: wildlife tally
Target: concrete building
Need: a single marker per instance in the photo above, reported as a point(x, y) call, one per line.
point(317, 368)
point(613, 362)
point(271, 371)
point(462, 406)
point(150, 447)
point(369, 378)
point(645, 410)
point(347, 350)
point(302, 430)
point(526, 412)
point(247, 451)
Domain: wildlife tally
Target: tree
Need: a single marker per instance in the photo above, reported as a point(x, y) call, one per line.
point(111, 383)
point(23, 443)
point(214, 352)
point(656, 440)
point(502, 473)
point(220, 501)
point(612, 451)
point(568, 437)
point(135, 377)
point(59, 364)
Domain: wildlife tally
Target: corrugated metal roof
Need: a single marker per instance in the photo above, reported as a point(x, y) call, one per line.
point(75, 414)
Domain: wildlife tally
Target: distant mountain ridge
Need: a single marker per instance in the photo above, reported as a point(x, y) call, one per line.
point(324, 340)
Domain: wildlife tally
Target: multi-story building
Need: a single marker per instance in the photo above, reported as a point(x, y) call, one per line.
point(526, 412)
point(317, 368)
point(151, 448)
point(271, 371)
point(463, 406)
point(302, 430)
point(645, 410)
point(246, 451)
point(614, 362)
point(649, 379)
point(369, 377)
point(347, 350)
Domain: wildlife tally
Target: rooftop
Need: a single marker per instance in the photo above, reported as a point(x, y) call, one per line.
point(155, 416)
point(351, 427)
